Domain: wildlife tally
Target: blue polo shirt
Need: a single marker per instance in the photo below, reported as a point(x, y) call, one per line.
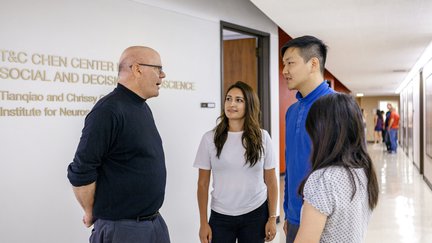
point(298, 149)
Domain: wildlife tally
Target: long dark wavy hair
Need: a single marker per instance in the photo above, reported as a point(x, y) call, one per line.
point(252, 137)
point(335, 126)
point(379, 114)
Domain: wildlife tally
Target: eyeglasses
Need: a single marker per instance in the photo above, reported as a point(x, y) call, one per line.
point(159, 68)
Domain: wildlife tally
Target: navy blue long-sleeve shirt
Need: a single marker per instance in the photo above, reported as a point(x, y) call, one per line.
point(120, 149)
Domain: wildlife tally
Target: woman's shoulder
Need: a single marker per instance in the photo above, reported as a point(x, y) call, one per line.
point(338, 174)
point(207, 138)
point(208, 135)
point(330, 172)
point(265, 134)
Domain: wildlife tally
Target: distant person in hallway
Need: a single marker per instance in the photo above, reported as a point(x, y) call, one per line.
point(239, 156)
point(383, 132)
point(392, 128)
point(386, 122)
point(304, 60)
point(364, 123)
point(379, 126)
point(118, 172)
point(342, 188)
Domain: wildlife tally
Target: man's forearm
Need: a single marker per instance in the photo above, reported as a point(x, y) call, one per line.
point(272, 191)
point(85, 196)
point(390, 124)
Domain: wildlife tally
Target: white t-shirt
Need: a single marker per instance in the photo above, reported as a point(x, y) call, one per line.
point(329, 190)
point(237, 187)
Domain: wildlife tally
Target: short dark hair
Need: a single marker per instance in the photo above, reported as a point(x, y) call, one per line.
point(309, 47)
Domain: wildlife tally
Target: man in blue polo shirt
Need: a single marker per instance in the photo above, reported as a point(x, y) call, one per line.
point(303, 59)
point(118, 173)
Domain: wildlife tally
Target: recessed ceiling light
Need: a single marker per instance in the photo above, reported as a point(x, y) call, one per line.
point(359, 94)
point(400, 70)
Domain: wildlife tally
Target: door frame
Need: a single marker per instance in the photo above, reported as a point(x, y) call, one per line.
point(263, 68)
point(422, 123)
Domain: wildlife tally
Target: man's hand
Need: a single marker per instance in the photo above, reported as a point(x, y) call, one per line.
point(88, 220)
point(285, 227)
point(85, 196)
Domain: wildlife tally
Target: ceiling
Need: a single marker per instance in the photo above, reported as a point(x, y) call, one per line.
point(373, 44)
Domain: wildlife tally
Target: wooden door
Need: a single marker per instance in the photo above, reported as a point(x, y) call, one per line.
point(240, 63)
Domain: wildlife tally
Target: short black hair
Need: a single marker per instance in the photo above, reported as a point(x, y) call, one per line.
point(309, 47)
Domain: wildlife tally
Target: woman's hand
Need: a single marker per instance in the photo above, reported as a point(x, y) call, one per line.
point(205, 233)
point(270, 229)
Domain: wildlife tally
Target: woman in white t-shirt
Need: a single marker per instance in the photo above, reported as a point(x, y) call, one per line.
point(239, 156)
point(342, 188)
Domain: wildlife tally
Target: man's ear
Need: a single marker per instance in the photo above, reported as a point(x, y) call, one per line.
point(315, 64)
point(136, 71)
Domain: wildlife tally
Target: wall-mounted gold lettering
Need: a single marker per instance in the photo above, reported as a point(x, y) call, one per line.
point(12, 56)
point(23, 74)
point(80, 98)
point(66, 77)
point(99, 79)
point(55, 98)
point(20, 111)
point(92, 64)
point(50, 60)
point(180, 85)
point(27, 97)
point(71, 112)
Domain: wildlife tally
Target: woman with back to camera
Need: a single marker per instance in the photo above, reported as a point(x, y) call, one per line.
point(379, 126)
point(342, 188)
point(239, 156)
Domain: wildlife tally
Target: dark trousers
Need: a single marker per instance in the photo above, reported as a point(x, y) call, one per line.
point(292, 232)
point(387, 141)
point(130, 231)
point(247, 228)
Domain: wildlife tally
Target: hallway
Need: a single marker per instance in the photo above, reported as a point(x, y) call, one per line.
point(402, 214)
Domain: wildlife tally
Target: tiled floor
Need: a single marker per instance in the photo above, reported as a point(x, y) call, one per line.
point(404, 211)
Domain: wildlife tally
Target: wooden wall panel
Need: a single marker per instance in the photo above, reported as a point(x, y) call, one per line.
point(286, 99)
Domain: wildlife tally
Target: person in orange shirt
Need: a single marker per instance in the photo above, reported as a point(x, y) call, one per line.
point(392, 128)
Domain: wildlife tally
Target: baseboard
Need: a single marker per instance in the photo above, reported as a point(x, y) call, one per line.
point(427, 182)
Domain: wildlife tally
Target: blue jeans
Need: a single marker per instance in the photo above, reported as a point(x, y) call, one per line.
point(130, 231)
point(247, 228)
point(393, 139)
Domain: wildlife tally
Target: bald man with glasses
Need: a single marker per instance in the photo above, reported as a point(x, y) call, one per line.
point(118, 173)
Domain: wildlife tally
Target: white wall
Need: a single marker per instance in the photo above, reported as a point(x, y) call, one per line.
point(427, 77)
point(424, 64)
point(37, 204)
point(416, 120)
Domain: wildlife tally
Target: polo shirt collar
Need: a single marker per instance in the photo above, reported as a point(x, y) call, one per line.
point(314, 94)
